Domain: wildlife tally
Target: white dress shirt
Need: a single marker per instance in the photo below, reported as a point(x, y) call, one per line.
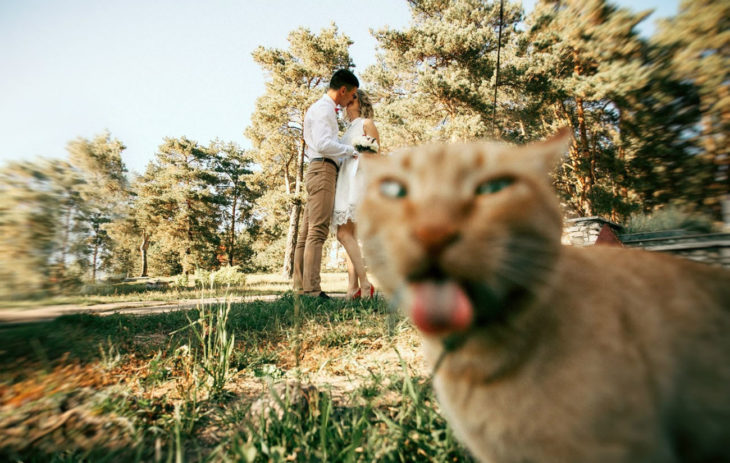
point(321, 131)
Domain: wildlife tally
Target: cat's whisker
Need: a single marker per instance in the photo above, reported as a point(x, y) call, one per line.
point(528, 263)
point(525, 244)
point(524, 263)
point(531, 261)
point(521, 246)
point(513, 278)
point(518, 275)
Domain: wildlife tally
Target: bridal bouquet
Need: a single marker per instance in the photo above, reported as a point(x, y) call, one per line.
point(365, 144)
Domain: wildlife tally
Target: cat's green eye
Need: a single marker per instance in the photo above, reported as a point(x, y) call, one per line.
point(392, 189)
point(493, 186)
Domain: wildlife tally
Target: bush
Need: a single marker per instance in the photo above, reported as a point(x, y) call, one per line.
point(670, 218)
point(269, 254)
point(163, 261)
point(202, 278)
point(228, 276)
point(181, 281)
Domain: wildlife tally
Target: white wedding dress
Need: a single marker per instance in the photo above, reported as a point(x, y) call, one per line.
point(348, 191)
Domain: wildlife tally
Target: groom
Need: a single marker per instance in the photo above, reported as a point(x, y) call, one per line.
point(324, 151)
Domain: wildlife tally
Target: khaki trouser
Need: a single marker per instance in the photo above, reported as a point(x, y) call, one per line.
point(320, 182)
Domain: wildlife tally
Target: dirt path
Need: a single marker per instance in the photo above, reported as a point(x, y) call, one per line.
point(50, 312)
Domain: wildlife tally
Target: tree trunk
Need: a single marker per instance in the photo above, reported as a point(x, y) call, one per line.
point(294, 214)
point(300, 171)
point(143, 252)
point(232, 237)
point(287, 181)
point(66, 239)
point(580, 181)
point(584, 152)
point(623, 190)
point(291, 240)
point(187, 261)
point(93, 261)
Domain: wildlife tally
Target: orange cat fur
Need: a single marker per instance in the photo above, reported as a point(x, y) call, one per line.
point(546, 353)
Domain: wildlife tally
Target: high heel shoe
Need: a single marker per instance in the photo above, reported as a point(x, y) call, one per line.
point(358, 293)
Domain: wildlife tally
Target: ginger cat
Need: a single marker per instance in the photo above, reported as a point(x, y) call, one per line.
point(546, 353)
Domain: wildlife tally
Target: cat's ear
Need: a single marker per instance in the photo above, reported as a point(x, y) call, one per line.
point(549, 152)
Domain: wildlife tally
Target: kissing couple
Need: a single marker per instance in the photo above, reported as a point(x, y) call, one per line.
point(334, 184)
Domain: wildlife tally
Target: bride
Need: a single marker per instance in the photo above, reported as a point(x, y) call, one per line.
point(348, 194)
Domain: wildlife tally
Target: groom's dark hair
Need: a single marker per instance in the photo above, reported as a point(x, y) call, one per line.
point(344, 77)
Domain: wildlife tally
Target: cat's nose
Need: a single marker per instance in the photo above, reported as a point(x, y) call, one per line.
point(435, 237)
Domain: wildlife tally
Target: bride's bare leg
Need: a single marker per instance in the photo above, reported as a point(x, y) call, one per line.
point(352, 285)
point(346, 236)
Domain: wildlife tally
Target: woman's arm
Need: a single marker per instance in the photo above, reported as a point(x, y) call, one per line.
point(368, 126)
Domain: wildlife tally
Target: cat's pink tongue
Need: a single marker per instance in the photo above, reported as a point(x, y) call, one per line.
point(438, 308)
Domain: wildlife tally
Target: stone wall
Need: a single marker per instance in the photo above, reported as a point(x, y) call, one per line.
point(584, 231)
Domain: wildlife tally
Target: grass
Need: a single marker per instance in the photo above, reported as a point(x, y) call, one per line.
point(304, 381)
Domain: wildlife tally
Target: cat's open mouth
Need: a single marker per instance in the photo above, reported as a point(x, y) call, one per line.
point(440, 305)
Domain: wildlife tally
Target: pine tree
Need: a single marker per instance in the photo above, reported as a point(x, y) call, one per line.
point(697, 45)
point(179, 189)
point(436, 79)
point(132, 229)
point(585, 58)
point(54, 213)
point(69, 260)
point(99, 163)
point(237, 195)
point(655, 141)
point(30, 218)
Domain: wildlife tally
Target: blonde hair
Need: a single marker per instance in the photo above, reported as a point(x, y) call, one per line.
point(366, 107)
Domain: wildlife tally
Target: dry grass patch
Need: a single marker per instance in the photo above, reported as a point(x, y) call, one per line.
point(342, 382)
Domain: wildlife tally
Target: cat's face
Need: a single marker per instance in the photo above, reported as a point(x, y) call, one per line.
point(457, 232)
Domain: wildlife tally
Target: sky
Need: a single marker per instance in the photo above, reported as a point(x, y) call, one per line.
point(149, 69)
